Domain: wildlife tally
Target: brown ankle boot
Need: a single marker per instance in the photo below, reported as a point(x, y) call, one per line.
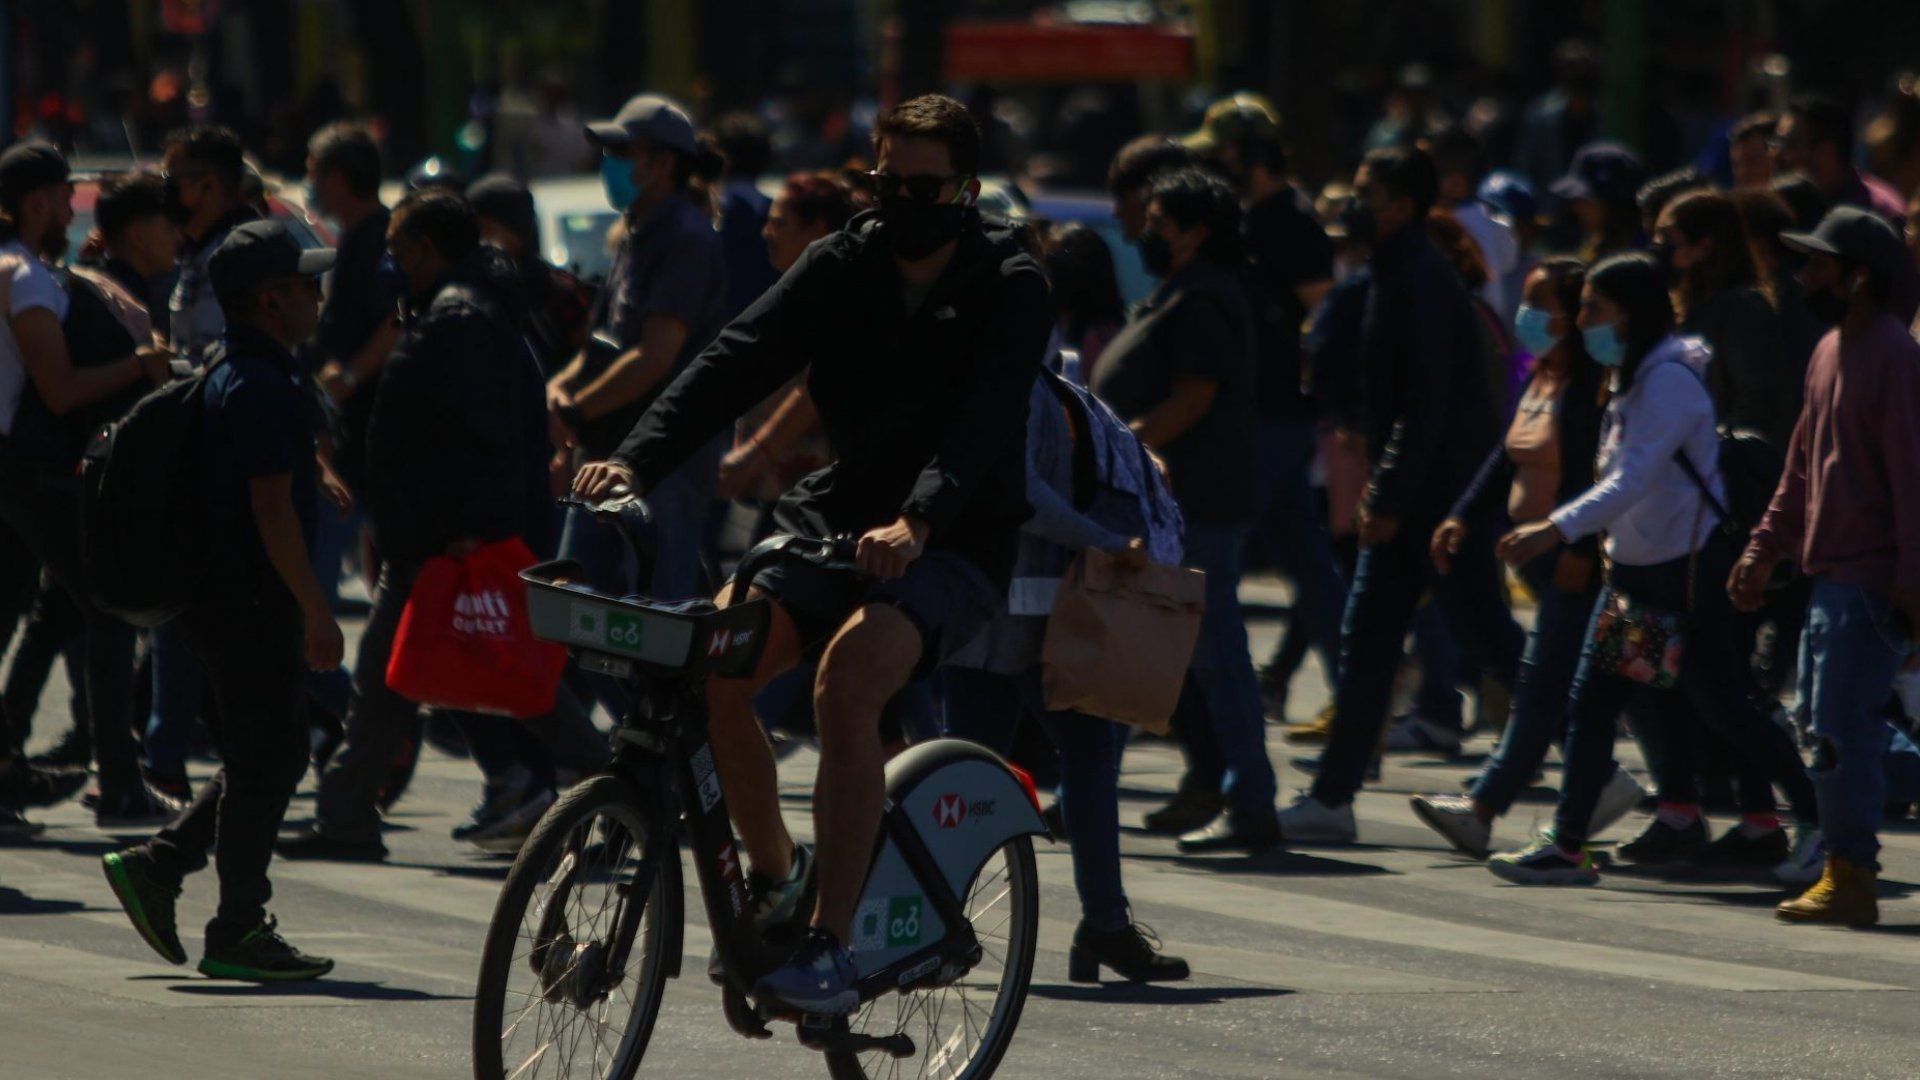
point(1846, 893)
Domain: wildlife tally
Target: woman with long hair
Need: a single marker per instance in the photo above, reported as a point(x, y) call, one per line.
point(1701, 241)
point(1546, 459)
point(1656, 495)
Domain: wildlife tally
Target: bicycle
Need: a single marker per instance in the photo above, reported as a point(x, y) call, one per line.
point(590, 917)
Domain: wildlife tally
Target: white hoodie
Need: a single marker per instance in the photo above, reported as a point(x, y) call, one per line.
point(1650, 509)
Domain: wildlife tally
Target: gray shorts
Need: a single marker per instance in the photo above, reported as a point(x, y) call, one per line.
point(943, 594)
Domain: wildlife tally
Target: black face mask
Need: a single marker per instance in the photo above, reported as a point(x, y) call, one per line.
point(917, 229)
point(1827, 306)
point(1156, 253)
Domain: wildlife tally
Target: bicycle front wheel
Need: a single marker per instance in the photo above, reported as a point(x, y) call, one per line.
point(960, 1031)
point(575, 962)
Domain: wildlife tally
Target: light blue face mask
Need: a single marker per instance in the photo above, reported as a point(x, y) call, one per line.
point(1604, 345)
point(1530, 329)
point(616, 176)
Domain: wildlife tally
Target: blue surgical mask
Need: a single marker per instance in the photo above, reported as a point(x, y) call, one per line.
point(616, 175)
point(1530, 328)
point(1604, 345)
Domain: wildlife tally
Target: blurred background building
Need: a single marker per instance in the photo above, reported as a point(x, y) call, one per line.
point(503, 83)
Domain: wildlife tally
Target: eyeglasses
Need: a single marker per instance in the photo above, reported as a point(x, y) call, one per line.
point(181, 174)
point(922, 188)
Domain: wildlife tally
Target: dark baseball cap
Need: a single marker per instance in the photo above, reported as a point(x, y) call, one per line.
point(1605, 171)
point(659, 120)
point(505, 200)
point(1236, 118)
point(1852, 234)
point(26, 167)
point(261, 252)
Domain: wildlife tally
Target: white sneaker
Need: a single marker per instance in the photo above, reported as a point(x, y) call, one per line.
point(1809, 858)
point(1420, 734)
point(1453, 817)
point(1617, 799)
point(1311, 821)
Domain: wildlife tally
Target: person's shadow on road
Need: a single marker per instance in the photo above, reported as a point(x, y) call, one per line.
point(1152, 993)
point(343, 989)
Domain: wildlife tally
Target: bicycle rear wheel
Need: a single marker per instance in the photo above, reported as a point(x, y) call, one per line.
point(960, 1031)
point(576, 959)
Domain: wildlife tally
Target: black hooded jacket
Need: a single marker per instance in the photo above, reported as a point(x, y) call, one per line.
point(447, 439)
point(926, 409)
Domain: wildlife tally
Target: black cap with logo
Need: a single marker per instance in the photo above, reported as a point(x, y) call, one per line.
point(259, 253)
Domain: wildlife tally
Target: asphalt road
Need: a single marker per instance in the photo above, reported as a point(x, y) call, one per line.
point(1394, 958)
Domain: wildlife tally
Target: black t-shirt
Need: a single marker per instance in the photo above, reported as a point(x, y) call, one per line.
point(1286, 248)
point(359, 302)
point(1195, 325)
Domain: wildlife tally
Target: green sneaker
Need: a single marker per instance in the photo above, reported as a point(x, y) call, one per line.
point(261, 955)
point(147, 902)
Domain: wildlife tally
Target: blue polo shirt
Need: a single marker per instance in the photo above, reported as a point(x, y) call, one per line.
point(260, 420)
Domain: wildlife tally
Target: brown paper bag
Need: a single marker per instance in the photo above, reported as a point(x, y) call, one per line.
point(1119, 640)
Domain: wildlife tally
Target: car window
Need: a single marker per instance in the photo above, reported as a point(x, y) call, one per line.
point(581, 247)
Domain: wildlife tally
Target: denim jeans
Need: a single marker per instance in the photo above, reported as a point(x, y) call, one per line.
point(985, 707)
point(1849, 654)
point(1539, 714)
point(1715, 685)
point(1387, 586)
point(1224, 668)
point(1437, 698)
point(1290, 526)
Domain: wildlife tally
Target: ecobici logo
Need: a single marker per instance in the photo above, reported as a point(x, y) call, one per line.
point(887, 923)
point(483, 612)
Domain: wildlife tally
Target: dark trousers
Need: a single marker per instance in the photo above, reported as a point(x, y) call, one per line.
point(1388, 583)
point(987, 708)
point(43, 509)
point(52, 629)
point(253, 651)
point(1715, 686)
point(379, 723)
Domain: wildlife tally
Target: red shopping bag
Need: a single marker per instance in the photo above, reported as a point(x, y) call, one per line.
point(464, 640)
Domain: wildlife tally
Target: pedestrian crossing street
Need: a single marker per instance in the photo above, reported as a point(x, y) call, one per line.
point(1289, 942)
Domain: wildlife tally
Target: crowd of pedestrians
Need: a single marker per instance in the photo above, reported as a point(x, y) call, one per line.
point(1670, 420)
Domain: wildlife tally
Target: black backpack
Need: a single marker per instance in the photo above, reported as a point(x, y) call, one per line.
point(143, 543)
point(1751, 468)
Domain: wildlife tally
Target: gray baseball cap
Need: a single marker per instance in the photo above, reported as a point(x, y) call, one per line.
point(1853, 234)
point(659, 120)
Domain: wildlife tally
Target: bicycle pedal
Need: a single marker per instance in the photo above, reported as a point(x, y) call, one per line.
point(742, 1017)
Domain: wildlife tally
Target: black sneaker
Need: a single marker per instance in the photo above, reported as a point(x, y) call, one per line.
point(1662, 843)
point(1738, 847)
point(75, 749)
point(14, 825)
point(25, 784)
point(144, 809)
point(261, 955)
point(314, 844)
point(1190, 809)
point(174, 786)
point(147, 901)
point(1133, 953)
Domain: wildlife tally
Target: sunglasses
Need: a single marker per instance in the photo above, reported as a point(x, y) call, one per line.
point(922, 188)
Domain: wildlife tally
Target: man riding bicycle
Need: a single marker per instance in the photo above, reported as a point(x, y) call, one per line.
point(922, 328)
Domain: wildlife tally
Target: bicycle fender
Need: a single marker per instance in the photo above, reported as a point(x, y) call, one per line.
point(964, 803)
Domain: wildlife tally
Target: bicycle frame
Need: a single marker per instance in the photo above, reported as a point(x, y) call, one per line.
point(664, 750)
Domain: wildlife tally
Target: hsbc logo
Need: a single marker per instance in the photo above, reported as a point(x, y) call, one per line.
point(949, 811)
point(722, 640)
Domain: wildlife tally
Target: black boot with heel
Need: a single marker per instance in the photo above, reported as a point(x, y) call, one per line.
point(1133, 953)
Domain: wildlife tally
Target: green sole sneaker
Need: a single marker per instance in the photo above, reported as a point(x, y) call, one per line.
point(125, 889)
point(221, 969)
